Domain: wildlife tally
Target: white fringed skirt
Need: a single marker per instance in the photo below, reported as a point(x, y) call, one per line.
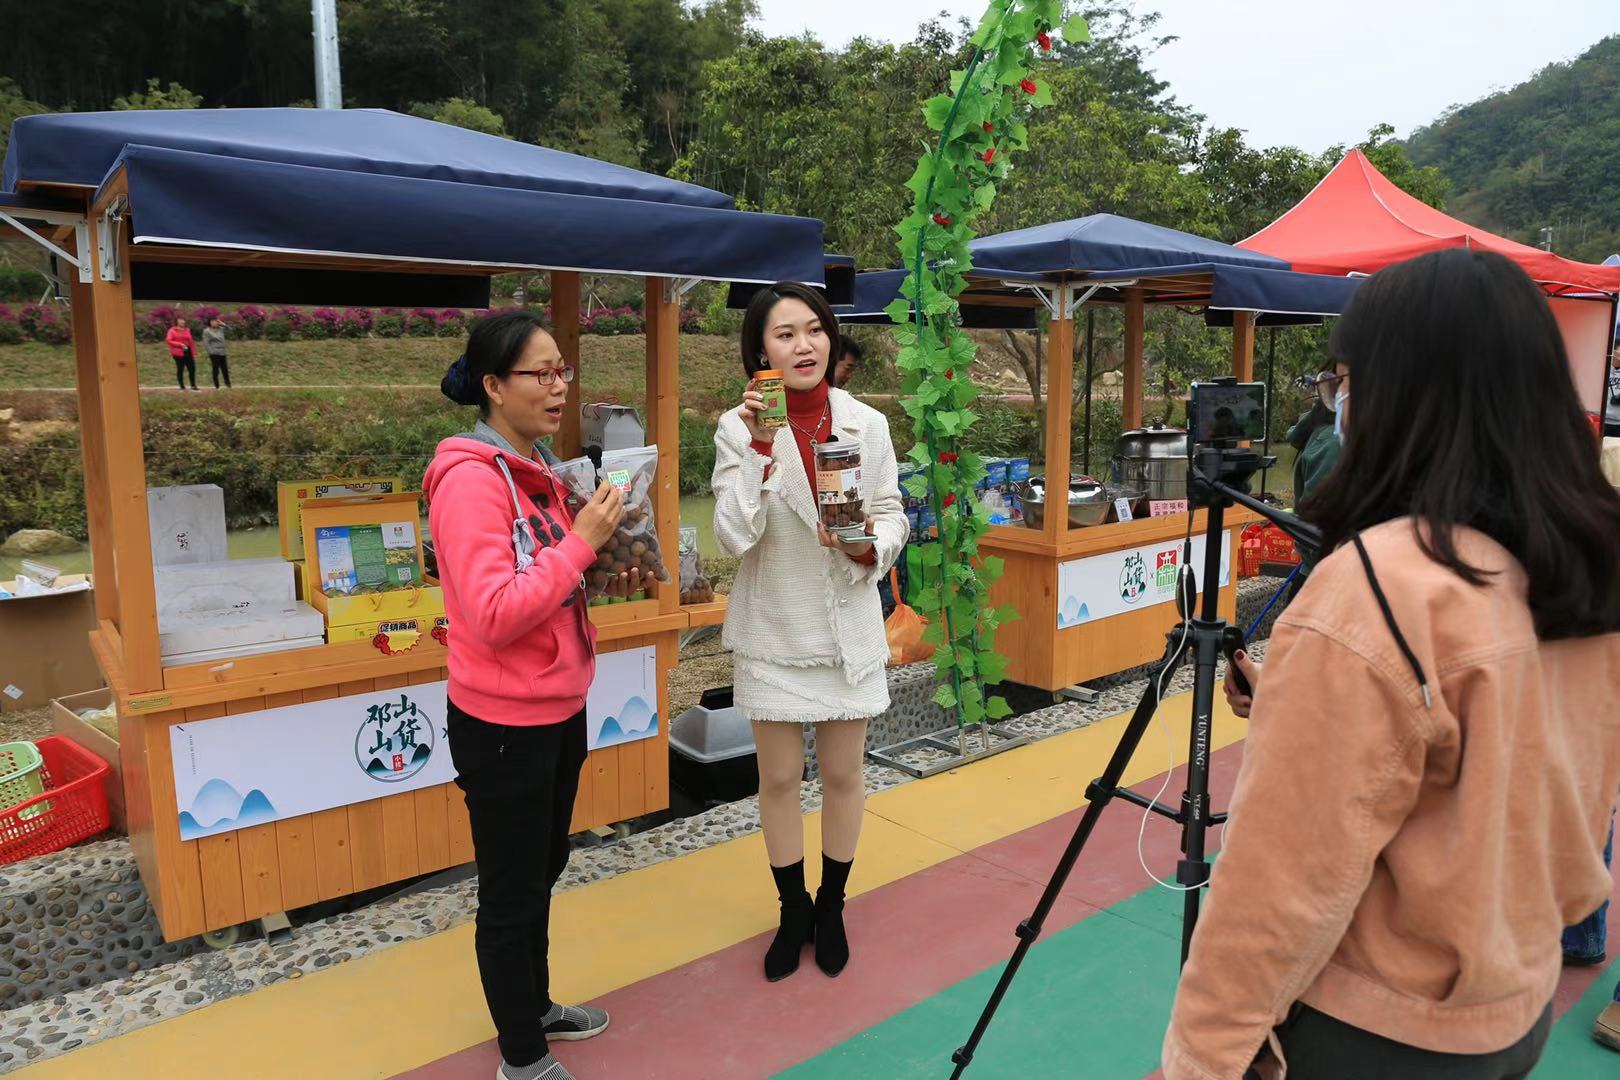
point(806, 695)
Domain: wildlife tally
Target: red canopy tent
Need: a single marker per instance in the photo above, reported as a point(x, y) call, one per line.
point(1357, 221)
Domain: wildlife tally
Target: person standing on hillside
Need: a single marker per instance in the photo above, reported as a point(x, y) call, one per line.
point(214, 342)
point(181, 347)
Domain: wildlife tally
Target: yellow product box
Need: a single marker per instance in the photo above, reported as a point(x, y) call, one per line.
point(291, 495)
point(364, 563)
point(395, 636)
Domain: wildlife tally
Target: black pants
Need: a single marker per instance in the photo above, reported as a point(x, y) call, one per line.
point(222, 366)
point(520, 784)
point(1318, 1047)
point(185, 364)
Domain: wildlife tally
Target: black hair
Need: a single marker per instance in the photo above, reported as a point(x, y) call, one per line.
point(852, 349)
point(759, 310)
point(1463, 414)
point(493, 348)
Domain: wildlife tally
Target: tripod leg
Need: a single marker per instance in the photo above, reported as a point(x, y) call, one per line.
point(1192, 871)
point(1100, 792)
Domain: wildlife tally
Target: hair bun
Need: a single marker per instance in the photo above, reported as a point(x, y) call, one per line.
point(457, 384)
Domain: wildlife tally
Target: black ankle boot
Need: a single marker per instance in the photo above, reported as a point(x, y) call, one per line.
point(832, 945)
point(798, 925)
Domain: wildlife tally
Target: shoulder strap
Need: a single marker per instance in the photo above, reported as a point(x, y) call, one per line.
point(1389, 618)
point(524, 544)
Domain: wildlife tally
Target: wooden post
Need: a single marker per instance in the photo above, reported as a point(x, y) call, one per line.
point(1135, 331)
point(1243, 345)
point(113, 313)
point(93, 447)
point(1059, 416)
point(565, 328)
point(664, 429)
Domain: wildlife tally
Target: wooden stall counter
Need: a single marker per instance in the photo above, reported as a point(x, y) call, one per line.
point(341, 737)
point(1094, 602)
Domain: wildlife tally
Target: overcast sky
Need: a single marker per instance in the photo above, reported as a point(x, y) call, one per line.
point(1310, 73)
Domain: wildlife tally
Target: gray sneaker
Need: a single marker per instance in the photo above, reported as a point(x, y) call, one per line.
point(547, 1068)
point(574, 1023)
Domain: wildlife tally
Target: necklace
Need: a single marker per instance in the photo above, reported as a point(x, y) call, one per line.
point(826, 412)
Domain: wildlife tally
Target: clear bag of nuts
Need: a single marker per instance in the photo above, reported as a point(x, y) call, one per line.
point(634, 545)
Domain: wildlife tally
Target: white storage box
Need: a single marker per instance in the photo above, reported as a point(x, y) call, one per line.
point(211, 656)
point(188, 524)
point(192, 587)
point(232, 628)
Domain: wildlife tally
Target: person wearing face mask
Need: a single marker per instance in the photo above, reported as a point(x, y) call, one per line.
point(522, 656)
point(803, 622)
point(1317, 438)
point(1433, 748)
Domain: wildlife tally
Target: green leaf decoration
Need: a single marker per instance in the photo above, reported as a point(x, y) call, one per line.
point(955, 183)
point(1077, 31)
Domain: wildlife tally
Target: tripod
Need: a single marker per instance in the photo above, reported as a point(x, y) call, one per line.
point(1204, 635)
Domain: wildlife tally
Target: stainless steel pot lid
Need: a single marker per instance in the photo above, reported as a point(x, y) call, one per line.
point(1153, 441)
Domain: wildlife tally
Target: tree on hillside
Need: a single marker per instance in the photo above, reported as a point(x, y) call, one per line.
point(459, 112)
point(1544, 154)
point(173, 96)
point(13, 104)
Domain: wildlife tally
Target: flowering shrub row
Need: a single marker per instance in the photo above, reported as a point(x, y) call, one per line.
point(49, 324)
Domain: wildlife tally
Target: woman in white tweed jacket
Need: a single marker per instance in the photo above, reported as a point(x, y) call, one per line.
point(804, 623)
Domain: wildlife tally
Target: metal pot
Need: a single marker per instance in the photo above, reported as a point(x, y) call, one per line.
point(1089, 501)
point(1152, 459)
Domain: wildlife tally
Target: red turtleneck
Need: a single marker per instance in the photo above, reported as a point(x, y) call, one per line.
point(809, 418)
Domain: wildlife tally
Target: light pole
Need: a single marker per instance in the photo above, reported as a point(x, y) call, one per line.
point(328, 82)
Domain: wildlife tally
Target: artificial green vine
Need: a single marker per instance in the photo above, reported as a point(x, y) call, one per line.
point(980, 123)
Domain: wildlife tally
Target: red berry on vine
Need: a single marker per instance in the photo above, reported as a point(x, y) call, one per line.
point(990, 155)
point(1028, 86)
point(948, 373)
point(988, 126)
point(1045, 40)
point(949, 501)
point(942, 221)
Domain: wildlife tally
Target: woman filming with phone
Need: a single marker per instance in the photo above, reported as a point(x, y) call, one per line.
point(1433, 747)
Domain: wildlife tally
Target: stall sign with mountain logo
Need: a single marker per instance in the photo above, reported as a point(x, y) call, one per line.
point(1133, 578)
point(394, 741)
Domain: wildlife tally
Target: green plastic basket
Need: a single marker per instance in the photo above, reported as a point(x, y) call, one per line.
point(20, 775)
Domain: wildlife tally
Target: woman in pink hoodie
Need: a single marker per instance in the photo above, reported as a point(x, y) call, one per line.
point(522, 656)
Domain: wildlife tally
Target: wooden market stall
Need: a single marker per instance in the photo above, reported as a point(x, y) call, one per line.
point(295, 205)
point(1076, 620)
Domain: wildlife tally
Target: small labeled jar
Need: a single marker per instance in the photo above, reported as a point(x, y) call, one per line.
point(838, 488)
point(770, 386)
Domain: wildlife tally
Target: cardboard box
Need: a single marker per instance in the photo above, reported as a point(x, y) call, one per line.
point(367, 607)
point(45, 646)
point(219, 632)
point(235, 583)
point(188, 524)
point(66, 721)
point(291, 495)
point(399, 635)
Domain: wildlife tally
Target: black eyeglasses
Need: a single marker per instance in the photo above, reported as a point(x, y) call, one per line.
point(548, 376)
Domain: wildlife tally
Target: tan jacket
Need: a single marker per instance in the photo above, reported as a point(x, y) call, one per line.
point(1405, 869)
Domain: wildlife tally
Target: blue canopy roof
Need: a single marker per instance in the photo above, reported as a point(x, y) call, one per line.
point(1105, 243)
point(371, 184)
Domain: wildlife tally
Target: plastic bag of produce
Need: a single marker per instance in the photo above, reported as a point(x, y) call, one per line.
point(695, 585)
point(635, 545)
point(579, 477)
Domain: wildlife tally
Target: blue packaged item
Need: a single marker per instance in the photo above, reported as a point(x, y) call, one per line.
point(996, 471)
point(912, 515)
point(927, 522)
point(1017, 469)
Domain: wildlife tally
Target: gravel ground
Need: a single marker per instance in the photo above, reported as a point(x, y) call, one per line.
point(25, 724)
